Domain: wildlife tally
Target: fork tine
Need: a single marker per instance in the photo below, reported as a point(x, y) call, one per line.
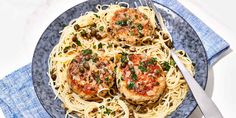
point(141, 3)
point(146, 2)
point(157, 14)
point(135, 4)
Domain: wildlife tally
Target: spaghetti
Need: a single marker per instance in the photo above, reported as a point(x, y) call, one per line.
point(116, 63)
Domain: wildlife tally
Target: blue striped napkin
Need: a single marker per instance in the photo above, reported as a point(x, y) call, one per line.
point(17, 95)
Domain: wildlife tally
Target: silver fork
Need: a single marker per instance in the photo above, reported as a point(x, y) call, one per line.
point(207, 106)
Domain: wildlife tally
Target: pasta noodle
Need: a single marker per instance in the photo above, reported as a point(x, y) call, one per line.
point(79, 38)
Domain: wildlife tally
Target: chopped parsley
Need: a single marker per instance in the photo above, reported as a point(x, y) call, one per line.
point(98, 80)
point(107, 111)
point(107, 79)
point(172, 62)
point(101, 28)
point(158, 72)
point(121, 78)
point(83, 33)
point(100, 45)
point(131, 85)
point(94, 46)
point(102, 107)
point(122, 23)
point(124, 58)
point(115, 69)
point(96, 15)
point(118, 81)
point(166, 66)
point(152, 60)
point(66, 49)
point(132, 69)
point(139, 26)
point(87, 51)
point(109, 45)
point(142, 68)
point(77, 42)
point(134, 76)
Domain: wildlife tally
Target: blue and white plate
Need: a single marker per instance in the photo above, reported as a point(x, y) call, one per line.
point(183, 35)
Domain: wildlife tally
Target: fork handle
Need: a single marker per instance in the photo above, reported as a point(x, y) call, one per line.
point(206, 105)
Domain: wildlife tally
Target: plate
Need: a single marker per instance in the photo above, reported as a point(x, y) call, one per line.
point(184, 37)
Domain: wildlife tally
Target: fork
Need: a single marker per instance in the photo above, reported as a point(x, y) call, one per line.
point(207, 106)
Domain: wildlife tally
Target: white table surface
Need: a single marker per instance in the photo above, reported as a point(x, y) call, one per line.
point(23, 21)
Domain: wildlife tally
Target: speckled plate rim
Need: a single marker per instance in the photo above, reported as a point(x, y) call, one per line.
point(204, 85)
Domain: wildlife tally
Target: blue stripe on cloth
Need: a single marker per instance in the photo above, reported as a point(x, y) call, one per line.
point(18, 98)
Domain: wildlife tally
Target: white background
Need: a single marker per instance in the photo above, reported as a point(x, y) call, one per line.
point(23, 21)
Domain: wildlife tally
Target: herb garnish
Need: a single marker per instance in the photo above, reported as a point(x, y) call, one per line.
point(96, 15)
point(122, 23)
point(158, 72)
point(101, 28)
point(102, 107)
point(66, 49)
point(98, 80)
point(108, 111)
point(142, 68)
point(172, 62)
point(75, 40)
point(166, 66)
point(139, 26)
point(100, 45)
point(131, 85)
point(87, 51)
point(107, 79)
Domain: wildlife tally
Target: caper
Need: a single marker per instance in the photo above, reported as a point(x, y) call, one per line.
point(83, 33)
point(88, 36)
point(81, 69)
point(93, 32)
point(74, 38)
point(76, 27)
point(112, 59)
point(98, 36)
point(73, 46)
point(95, 57)
point(95, 74)
point(169, 44)
point(165, 36)
point(86, 65)
point(156, 36)
point(123, 65)
point(54, 77)
point(126, 46)
point(108, 29)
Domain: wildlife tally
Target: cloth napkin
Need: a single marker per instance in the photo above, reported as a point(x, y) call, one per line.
point(17, 95)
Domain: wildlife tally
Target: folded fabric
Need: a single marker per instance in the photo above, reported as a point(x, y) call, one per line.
point(17, 95)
